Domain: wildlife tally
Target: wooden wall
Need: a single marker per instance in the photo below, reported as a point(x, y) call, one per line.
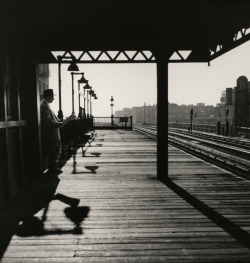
point(20, 158)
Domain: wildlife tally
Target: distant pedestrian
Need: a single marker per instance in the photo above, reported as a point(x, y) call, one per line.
point(51, 139)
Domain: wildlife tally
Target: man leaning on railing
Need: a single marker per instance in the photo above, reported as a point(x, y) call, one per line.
point(51, 140)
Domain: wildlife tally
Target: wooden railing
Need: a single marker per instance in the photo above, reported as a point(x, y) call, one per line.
point(73, 132)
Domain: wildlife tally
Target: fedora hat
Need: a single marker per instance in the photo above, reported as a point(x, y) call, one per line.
point(48, 92)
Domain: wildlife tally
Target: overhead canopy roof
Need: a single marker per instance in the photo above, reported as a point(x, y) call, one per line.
point(194, 25)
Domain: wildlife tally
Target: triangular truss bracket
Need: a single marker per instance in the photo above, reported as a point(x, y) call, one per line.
point(105, 56)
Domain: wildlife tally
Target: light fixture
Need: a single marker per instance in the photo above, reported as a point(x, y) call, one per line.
point(87, 86)
point(73, 66)
point(82, 79)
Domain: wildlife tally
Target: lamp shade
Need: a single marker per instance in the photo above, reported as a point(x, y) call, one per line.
point(73, 66)
point(82, 79)
point(87, 86)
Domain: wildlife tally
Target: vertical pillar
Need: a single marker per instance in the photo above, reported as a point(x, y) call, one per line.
point(84, 114)
point(162, 58)
point(79, 100)
point(73, 92)
point(90, 104)
point(87, 103)
point(60, 113)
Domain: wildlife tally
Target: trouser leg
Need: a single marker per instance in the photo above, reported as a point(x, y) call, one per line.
point(54, 154)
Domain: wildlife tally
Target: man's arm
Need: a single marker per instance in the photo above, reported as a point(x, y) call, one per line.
point(46, 118)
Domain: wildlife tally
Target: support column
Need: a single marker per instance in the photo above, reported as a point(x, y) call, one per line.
point(60, 113)
point(162, 58)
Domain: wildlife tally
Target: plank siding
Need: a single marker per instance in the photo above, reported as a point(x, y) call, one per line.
point(125, 213)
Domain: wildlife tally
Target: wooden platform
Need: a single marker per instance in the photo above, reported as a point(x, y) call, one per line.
point(125, 213)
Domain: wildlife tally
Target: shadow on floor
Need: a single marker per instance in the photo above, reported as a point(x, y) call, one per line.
point(18, 217)
point(232, 229)
point(91, 168)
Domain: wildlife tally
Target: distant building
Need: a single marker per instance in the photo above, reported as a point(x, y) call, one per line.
point(181, 113)
point(237, 101)
point(127, 111)
point(146, 114)
point(119, 113)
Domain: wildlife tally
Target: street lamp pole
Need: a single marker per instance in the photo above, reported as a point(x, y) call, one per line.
point(60, 113)
point(87, 87)
point(81, 80)
point(84, 99)
point(79, 100)
point(73, 92)
point(90, 103)
point(87, 103)
point(112, 114)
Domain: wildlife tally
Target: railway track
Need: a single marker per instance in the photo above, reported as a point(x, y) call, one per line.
point(150, 131)
point(229, 153)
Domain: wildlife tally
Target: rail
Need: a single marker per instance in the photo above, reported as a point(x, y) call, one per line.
point(221, 129)
point(113, 122)
point(230, 153)
point(149, 131)
point(73, 132)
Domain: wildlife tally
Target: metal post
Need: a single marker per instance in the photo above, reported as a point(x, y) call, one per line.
point(112, 114)
point(73, 92)
point(87, 103)
point(191, 127)
point(84, 102)
point(60, 113)
point(90, 102)
point(191, 120)
point(79, 98)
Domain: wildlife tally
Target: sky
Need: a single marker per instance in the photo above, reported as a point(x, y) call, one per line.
point(129, 84)
point(136, 84)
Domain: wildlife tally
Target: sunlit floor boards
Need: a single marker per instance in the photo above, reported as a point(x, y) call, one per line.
point(125, 214)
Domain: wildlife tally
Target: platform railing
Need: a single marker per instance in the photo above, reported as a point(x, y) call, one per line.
point(113, 122)
point(73, 132)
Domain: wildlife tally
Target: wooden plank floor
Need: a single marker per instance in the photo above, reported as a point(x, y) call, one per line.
point(125, 214)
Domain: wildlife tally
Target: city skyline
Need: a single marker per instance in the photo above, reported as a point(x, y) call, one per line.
point(136, 84)
point(198, 82)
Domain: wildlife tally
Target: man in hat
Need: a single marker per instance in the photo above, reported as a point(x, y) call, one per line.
point(51, 139)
